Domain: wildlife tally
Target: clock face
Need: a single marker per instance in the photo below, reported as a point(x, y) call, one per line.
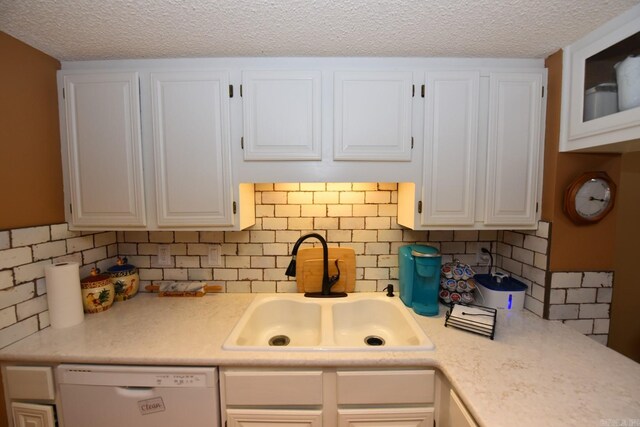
point(593, 198)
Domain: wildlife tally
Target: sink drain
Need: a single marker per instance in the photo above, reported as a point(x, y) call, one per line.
point(279, 341)
point(374, 340)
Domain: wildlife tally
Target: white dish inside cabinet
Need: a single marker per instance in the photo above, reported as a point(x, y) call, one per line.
point(601, 75)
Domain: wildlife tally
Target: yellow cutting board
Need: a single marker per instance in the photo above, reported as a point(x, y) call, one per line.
point(309, 269)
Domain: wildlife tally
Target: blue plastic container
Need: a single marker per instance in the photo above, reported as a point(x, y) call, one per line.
point(420, 278)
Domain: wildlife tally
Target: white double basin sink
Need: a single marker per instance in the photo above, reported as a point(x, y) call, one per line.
point(358, 322)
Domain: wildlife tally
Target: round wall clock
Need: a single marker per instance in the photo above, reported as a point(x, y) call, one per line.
point(589, 198)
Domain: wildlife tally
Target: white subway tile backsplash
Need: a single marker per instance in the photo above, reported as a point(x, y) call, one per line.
point(604, 295)
point(513, 238)
point(30, 236)
point(5, 240)
point(534, 306)
point(543, 230)
point(564, 311)
point(594, 311)
point(186, 237)
point(175, 274)
point(326, 197)
point(161, 236)
point(31, 307)
point(17, 294)
point(557, 296)
point(566, 280)
point(28, 272)
point(8, 316)
point(522, 255)
point(536, 244)
point(49, 250)
point(581, 295)
point(77, 244)
point(17, 331)
point(601, 326)
point(6, 279)
point(598, 280)
point(13, 257)
point(584, 326)
point(465, 235)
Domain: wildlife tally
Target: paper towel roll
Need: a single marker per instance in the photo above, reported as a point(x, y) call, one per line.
point(63, 294)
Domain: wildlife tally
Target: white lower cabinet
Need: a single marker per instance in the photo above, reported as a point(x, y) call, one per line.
point(328, 397)
point(32, 415)
point(274, 417)
point(398, 417)
point(458, 414)
point(30, 395)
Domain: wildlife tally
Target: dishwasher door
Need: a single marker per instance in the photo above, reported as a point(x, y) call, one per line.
point(134, 396)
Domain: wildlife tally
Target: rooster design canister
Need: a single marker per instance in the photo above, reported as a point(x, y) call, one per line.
point(97, 292)
point(125, 279)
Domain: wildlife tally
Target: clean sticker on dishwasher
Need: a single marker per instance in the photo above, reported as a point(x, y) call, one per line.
point(149, 406)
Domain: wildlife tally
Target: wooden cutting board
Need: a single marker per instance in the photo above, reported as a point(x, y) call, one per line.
point(309, 269)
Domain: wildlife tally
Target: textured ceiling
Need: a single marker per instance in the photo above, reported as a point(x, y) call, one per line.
point(118, 29)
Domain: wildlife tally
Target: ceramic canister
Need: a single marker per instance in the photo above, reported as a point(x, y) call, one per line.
point(97, 292)
point(628, 75)
point(125, 279)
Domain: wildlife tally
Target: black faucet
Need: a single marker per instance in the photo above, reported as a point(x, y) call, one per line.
point(327, 282)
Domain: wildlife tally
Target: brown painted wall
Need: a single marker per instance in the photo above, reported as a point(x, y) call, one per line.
point(30, 166)
point(573, 247)
point(624, 332)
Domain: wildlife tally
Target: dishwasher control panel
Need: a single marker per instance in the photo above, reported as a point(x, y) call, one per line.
point(137, 376)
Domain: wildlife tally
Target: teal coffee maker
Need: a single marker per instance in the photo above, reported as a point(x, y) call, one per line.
point(420, 278)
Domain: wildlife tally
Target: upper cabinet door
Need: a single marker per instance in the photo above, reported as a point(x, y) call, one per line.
point(282, 115)
point(372, 115)
point(191, 148)
point(515, 107)
point(601, 88)
point(451, 139)
point(104, 149)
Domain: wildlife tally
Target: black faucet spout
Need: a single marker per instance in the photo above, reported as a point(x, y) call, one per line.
point(327, 282)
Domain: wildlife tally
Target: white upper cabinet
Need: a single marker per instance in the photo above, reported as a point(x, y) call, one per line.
point(282, 115)
point(372, 115)
point(103, 149)
point(515, 107)
point(191, 148)
point(601, 88)
point(450, 147)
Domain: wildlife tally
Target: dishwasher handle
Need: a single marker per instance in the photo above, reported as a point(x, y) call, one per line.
point(135, 392)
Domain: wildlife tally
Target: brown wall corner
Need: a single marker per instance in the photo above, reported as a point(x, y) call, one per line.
point(572, 247)
point(552, 133)
point(30, 164)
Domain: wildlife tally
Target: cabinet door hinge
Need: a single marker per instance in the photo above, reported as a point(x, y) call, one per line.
point(420, 207)
point(412, 143)
point(63, 95)
point(242, 142)
point(240, 91)
point(230, 91)
point(423, 90)
point(235, 208)
point(413, 90)
point(537, 206)
point(70, 208)
point(543, 91)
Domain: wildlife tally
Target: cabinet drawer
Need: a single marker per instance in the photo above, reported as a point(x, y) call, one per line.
point(29, 382)
point(385, 387)
point(273, 388)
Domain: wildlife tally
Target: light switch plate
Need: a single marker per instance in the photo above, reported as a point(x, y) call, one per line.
point(215, 258)
point(164, 255)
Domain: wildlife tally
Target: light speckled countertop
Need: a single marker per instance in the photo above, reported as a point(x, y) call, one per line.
point(535, 372)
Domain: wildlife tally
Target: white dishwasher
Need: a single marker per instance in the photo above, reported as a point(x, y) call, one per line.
point(137, 396)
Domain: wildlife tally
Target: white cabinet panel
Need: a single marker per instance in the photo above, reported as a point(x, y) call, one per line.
point(458, 414)
point(387, 417)
point(104, 153)
point(191, 148)
point(372, 115)
point(451, 138)
point(273, 417)
point(282, 115)
point(32, 415)
point(513, 148)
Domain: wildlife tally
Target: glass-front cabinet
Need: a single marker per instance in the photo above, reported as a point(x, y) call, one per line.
point(601, 88)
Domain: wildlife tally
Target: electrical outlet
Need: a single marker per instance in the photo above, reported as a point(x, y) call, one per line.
point(164, 255)
point(481, 257)
point(215, 256)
